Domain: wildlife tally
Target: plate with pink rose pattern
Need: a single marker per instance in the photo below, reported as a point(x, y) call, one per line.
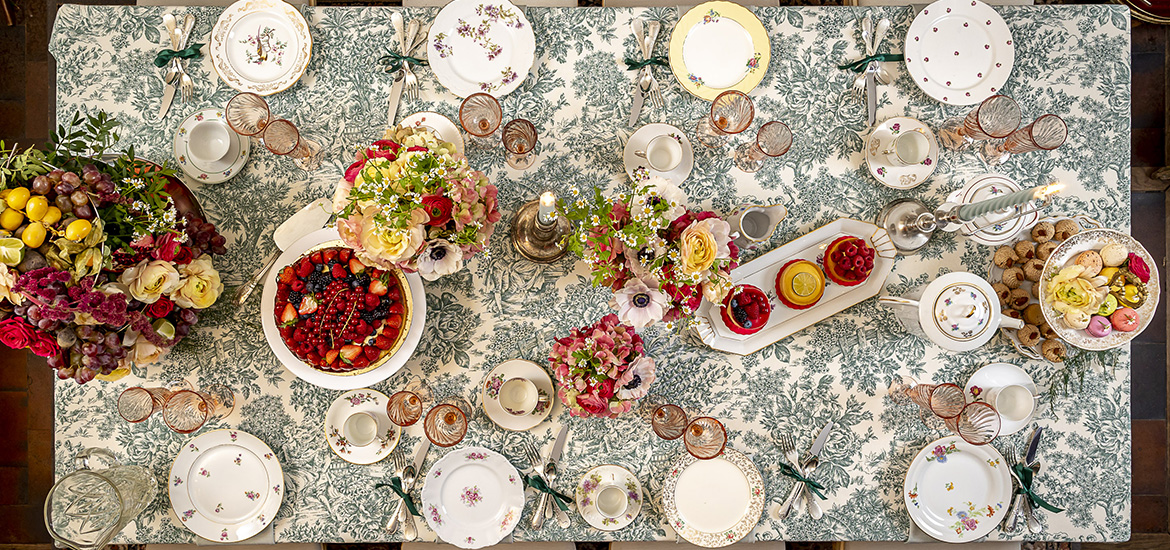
point(225, 485)
point(472, 497)
point(959, 52)
point(955, 491)
point(481, 46)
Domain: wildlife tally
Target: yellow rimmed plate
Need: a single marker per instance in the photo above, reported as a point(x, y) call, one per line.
point(719, 46)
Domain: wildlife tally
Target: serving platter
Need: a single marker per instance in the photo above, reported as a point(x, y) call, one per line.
point(959, 52)
point(955, 491)
point(472, 497)
point(260, 46)
point(761, 273)
point(719, 46)
point(481, 46)
point(713, 503)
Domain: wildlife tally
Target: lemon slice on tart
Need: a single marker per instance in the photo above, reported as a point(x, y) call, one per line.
point(800, 284)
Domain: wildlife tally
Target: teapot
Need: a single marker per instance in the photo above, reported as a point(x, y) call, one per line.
point(958, 311)
point(85, 509)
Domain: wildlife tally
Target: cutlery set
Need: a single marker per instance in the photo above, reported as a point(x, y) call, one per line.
point(645, 86)
point(405, 81)
point(804, 464)
point(408, 473)
point(174, 74)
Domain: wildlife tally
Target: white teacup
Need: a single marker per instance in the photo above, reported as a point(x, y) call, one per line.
point(209, 140)
point(360, 429)
point(663, 153)
point(519, 396)
point(1014, 402)
point(611, 501)
point(910, 147)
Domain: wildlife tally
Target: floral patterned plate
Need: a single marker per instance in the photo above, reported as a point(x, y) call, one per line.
point(368, 401)
point(959, 51)
point(218, 171)
point(599, 479)
point(260, 46)
point(638, 169)
point(719, 46)
point(899, 177)
point(481, 46)
point(995, 232)
point(225, 485)
point(490, 394)
point(714, 503)
point(472, 497)
point(955, 491)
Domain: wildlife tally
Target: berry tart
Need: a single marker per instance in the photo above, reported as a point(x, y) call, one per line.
point(339, 315)
point(800, 284)
point(849, 261)
point(745, 309)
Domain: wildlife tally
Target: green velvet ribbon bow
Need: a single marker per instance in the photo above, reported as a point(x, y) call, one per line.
point(166, 56)
point(633, 65)
point(393, 61)
point(396, 486)
point(859, 66)
point(1024, 474)
point(813, 485)
point(537, 482)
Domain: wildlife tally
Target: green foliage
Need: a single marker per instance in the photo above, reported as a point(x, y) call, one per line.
point(1074, 369)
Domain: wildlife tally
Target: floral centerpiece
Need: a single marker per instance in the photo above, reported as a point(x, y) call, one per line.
point(101, 267)
point(659, 258)
point(410, 201)
point(601, 370)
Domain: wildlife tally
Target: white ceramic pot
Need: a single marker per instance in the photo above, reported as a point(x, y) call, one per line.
point(958, 311)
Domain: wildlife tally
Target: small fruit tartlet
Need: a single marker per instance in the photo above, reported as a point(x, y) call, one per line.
point(849, 261)
point(745, 309)
point(339, 315)
point(800, 284)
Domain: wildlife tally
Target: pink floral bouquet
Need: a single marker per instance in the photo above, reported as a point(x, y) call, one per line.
point(410, 201)
point(659, 258)
point(601, 370)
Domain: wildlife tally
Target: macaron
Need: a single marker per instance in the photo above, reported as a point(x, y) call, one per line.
point(1099, 327)
point(1125, 319)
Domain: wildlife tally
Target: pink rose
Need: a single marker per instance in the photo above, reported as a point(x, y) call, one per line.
point(166, 247)
point(605, 389)
point(592, 403)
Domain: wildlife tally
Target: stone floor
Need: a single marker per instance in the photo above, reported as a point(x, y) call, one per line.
point(26, 116)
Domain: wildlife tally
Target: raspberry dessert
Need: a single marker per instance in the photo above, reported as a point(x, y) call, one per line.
point(849, 261)
point(745, 309)
point(800, 284)
point(339, 315)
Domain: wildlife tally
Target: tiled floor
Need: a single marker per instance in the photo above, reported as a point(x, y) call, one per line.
point(26, 92)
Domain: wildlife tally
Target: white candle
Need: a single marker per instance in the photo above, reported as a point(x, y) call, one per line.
point(969, 212)
point(547, 215)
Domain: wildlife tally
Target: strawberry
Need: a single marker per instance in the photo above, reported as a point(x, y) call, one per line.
point(361, 362)
point(331, 355)
point(372, 300)
point(391, 332)
point(350, 352)
point(304, 268)
point(378, 287)
point(313, 358)
point(338, 271)
point(356, 266)
point(394, 294)
point(382, 342)
point(286, 332)
point(288, 316)
point(396, 307)
point(330, 255)
point(308, 305)
point(371, 353)
point(318, 257)
point(344, 254)
point(288, 275)
point(394, 321)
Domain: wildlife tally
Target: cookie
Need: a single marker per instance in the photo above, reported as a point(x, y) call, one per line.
point(1053, 350)
point(1012, 277)
point(1026, 250)
point(1065, 229)
point(1018, 299)
point(1044, 250)
point(1036, 291)
point(1005, 257)
point(1001, 291)
point(1014, 314)
point(1029, 335)
point(1032, 314)
point(1033, 269)
point(1043, 232)
point(1047, 332)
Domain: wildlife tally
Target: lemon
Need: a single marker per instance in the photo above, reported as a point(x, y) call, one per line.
point(36, 208)
point(1108, 273)
point(115, 375)
point(11, 251)
point(78, 230)
point(18, 197)
point(804, 284)
point(52, 216)
point(4, 193)
point(34, 235)
point(11, 219)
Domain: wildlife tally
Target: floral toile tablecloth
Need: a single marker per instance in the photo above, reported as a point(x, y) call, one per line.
point(1070, 60)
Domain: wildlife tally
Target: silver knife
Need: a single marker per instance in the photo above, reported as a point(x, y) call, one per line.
point(395, 97)
point(172, 84)
point(814, 507)
point(308, 219)
point(813, 451)
point(1033, 446)
point(871, 93)
point(408, 530)
point(553, 455)
point(1029, 460)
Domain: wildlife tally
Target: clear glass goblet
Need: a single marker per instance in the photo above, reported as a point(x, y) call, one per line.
point(994, 118)
point(772, 140)
point(480, 116)
point(1044, 134)
point(731, 113)
point(519, 137)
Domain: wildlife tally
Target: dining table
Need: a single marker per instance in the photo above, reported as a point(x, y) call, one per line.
point(1071, 60)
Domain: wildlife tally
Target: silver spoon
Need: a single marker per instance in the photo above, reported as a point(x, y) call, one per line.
point(883, 75)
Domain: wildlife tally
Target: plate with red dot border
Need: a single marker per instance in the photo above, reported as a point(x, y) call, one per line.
point(959, 52)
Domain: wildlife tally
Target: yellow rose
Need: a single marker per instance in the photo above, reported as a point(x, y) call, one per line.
point(7, 279)
point(142, 351)
point(150, 280)
point(200, 286)
point(391, 245)
point(698, 248)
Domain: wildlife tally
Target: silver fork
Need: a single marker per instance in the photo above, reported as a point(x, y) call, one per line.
point(400, 462)
point(537, 466)
point(1012, 518)
point(186, 84)
point(656, 99)
point(410, 86)
point(787, 446)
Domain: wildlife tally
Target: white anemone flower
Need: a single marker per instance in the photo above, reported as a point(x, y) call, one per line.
point(640, 303)
point(439, 258)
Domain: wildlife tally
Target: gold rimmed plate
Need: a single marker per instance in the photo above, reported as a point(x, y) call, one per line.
point(719, 46)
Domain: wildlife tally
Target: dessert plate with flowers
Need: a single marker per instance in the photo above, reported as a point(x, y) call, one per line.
point(955, 491)
point(517, 368)
point(719, 46)
point(472, 497)
point(890, 175)
point(959, 52)
point(639, 169)
point(716, 502)
point(367, 401)
point(233, 159)
point(481, 46)
point(260, 46)
point(609, 497)
point(225, 485)
point(998, 375)
point(437, 124)
point(998, 229)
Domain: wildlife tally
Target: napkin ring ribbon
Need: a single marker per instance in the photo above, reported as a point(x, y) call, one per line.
point(812, 484)
point(537, 482)
point(859, 66)
point(394, 61)
point(166, 56)
point(633, 65)
point(396, 486)
point(1024, 474)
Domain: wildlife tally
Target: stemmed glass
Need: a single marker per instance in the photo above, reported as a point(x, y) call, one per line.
point(772, 140)
point(188, 410)
point(480, 115)
point(705, 438)
point(137, 404)
point(406, 406)
point(248, 115)
point(978, 423)
point(1045, 133)
point(994, 118)
point(446, 423)
point(668, 421)
point(936, 402)
point(519, 138)
point(731, 113)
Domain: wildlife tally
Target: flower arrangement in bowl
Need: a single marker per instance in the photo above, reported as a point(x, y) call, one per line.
point(100, 267)
point(659, 258)
point(602, 369)
point(410, 201)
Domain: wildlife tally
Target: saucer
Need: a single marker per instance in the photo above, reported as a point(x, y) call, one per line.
point(361, 400)
point(210, 172)
point(598, 478)
point(898, 177)
point(999, 230)
point(998, 375)
point(490, 394)
point(638, 169)
point(440, 125)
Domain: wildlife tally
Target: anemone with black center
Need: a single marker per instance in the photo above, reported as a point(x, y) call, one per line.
point(640, 300)
point(438, 253)
point(634, 383)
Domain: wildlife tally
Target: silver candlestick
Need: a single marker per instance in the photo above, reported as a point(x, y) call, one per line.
point(539, 231)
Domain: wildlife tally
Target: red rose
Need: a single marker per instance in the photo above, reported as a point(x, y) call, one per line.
point(387, 144)
point(605, 390)
point(16, 333)
point(184, 256)
point(592, 403)
point(352, 172)
point(166, 247)
point(161, 308)
point(45, 346)
point(438, 208)
point(416, 148)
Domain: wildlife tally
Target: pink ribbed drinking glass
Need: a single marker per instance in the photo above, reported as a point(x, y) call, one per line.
point(731, 113)
point(668, 421)
point(480, 115)
point(772, 140)
point(137, 404)
point(519, 137)
point(188, 410)
point(994, 118)
point(705, 438)
point(978, 423)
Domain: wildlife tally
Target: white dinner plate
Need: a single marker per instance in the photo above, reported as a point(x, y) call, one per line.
point(899, 177)
point(260, 46)
point(481, 46)
point(955, 491)
point(719, 46)
point(438, 124)
point(490, 394)
point(959, 52)
point(639, 170)
point(714, 503)
point(368, 401)
point(472, 497)
point(597, 480)
point(998, 375)
point(998, 229)
point(225, 485)
point(210, 172)
point(342, 381)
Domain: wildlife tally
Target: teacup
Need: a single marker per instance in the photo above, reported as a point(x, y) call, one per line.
point(910, 147)
point(519, 396)
point(209, 140)
point(360, 429)
point(611, 501)
point(663, 153)
point(1013, 402)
